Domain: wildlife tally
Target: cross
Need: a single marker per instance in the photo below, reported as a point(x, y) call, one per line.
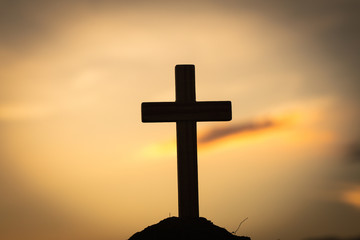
point(186, 111)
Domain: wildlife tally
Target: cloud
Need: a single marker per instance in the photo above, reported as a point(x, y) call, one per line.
point(353, 152)
point(9, 112)
point(232, 129)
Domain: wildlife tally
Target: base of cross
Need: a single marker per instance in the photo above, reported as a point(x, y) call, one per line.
point(185, 229)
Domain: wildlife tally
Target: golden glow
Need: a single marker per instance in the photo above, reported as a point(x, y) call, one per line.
point(297, 128)
point(158, 150)
point(352, 197)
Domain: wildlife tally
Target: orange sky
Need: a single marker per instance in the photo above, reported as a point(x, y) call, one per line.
point(75, 156)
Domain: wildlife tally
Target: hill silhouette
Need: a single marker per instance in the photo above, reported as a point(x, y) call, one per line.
point(180, 229)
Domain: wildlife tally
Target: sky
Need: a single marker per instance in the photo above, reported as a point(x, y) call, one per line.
point(76, 162)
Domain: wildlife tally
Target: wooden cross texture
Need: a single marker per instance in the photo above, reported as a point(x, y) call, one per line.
point(186, 111)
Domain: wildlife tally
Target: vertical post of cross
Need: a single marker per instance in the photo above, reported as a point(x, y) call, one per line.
point(188, 196)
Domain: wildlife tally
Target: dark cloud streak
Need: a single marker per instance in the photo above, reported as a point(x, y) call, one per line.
point(219, 133)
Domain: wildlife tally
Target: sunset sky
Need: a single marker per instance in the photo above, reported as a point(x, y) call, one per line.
point(77, 163)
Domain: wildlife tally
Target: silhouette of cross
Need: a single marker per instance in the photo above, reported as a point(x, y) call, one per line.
point(186, 111)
